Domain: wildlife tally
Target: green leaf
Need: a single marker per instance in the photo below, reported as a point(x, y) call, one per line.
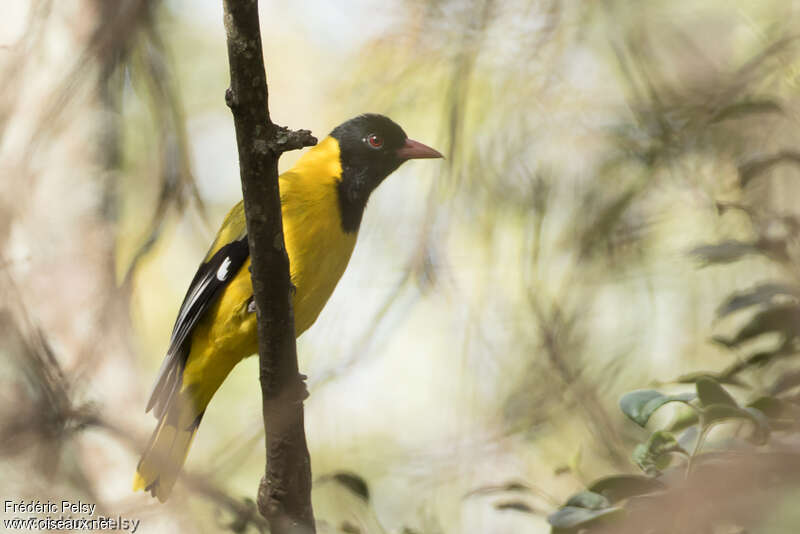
point(772, 407)
point(684, 418)
point(760, 294)
point(789, 380)
point(597, 230)
point(643, 460)
point(618, 487)
point(747, 107)
point(781, 415)
point(517, 506)
point(692, 378)
point(724, 252)
point(589, 500)
point(652, 457)
point(662, 442)
point(639, 405)
point(782, 319)
point(353, 482)
point(572, 517)
point(761, 164)
point(761, 358)
point(760, 425)
point(508, 487)
point(710, 392)
point(721, 412)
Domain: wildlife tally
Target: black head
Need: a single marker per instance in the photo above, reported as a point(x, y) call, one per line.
point(371, 147)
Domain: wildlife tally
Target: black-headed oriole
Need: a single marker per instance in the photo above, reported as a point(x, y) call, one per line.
point(322, 200)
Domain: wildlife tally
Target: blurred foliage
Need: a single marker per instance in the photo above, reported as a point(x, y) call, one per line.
point(762, 444)
point(617, 211)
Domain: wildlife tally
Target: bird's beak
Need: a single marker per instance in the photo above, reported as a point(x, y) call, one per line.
point(416, 150)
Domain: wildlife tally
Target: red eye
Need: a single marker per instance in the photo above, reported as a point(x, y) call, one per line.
point(375, 141)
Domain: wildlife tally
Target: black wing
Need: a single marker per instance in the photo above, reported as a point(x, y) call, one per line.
point(207, 284)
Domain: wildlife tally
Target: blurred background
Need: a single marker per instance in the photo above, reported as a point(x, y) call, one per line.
point(617, 174)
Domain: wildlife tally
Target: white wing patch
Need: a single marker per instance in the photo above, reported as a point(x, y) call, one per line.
point(222, 272)
point(208, 283)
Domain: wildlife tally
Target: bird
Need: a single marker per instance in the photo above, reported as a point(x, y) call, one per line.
point(323, 197)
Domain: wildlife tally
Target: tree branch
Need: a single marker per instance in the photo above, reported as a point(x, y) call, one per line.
point(284, 495)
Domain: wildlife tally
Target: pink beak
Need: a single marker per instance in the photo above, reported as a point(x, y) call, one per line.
point(416, 150)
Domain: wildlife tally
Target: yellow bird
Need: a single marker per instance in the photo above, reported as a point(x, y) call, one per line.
point(322, 200)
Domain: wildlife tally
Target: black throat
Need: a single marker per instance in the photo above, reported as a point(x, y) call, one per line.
point(368, 146)
point(353, 192)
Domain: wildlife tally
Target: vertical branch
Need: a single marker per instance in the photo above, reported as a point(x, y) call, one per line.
point(284, 495)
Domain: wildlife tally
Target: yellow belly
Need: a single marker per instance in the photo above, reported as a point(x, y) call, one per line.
point(318, 250)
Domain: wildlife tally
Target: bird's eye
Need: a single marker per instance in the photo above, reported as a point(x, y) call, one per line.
point(375, 141)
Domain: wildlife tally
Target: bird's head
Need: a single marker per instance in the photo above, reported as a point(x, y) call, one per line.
point(371, 147)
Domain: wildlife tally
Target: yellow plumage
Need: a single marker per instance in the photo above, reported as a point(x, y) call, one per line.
point(319, 251)
point(322, 199)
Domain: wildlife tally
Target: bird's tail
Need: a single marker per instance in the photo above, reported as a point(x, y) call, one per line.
point(166, 451)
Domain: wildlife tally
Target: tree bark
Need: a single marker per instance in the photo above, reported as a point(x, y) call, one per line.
point(284, 496)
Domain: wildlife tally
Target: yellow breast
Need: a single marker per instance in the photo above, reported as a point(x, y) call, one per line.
point(318, 248)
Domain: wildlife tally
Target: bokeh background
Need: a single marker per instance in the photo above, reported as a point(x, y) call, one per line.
point(615, 170)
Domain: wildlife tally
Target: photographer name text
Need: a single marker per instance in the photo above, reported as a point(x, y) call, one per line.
point(49, 507)
point(64, 510)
